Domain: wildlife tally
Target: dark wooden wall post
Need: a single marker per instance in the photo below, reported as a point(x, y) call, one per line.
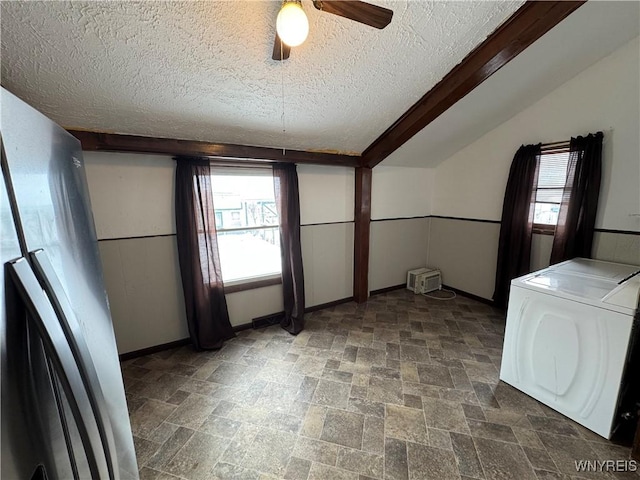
point(361, 235)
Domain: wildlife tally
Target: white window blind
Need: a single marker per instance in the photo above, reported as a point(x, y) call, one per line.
point(552, 175)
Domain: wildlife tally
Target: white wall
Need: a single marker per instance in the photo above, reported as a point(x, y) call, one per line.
point(466, 253)
point(400, 203)
point(132, 197)
point(604, 97)
point(133, 209)
point(396, 246)
point(541, 246)
point(326, 216)
point(142, 279)
point(471, 183)
point(401, 192)
point(326, 194)
point(327, 253)
point(247, 305)
point(608, 246)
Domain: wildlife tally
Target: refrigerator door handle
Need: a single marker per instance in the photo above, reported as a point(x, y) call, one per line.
point(54, 290)
point(61, 358)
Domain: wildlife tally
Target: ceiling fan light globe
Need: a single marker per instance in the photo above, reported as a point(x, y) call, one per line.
point(292, 24)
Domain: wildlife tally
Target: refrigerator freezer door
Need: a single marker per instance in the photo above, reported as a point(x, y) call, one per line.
point(68, 383)
point(33, 438)
point(50, 192)
point(78, 349)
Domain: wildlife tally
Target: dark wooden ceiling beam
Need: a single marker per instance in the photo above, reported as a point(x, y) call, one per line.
point(112, 142)
point(528, 24)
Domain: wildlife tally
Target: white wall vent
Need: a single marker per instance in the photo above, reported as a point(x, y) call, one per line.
point(424, 280)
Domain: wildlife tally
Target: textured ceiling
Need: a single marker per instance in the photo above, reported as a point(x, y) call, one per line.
point(203, 70)
point(592, 32)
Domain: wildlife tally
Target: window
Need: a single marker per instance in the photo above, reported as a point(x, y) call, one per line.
point(552, 175)
point(247, 224)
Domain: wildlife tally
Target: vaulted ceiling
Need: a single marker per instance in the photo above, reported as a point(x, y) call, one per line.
point(592, 32)
point(203, 70)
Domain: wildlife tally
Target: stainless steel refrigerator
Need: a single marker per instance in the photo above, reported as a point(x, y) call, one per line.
point(64, 413)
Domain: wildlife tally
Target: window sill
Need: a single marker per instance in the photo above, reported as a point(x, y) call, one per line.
point(541, 229)
point(251, 284)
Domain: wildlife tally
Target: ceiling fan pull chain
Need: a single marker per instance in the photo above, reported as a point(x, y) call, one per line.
point(284, 136)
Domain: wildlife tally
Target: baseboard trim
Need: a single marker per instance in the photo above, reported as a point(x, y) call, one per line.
point(155, 349)
point(387, 289)
point(322, 306)
point(486, 301)
point(244, 326)
point(457, 290)
point(274, 318)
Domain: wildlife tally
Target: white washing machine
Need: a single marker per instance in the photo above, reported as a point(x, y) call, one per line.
point(568, 335)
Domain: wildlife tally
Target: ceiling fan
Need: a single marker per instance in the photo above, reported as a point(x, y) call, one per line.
point(291, 13)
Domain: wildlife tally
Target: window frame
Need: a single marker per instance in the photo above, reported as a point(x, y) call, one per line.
point(257, 281)
point(544, 229)
point(548, 149)
point(252, 283)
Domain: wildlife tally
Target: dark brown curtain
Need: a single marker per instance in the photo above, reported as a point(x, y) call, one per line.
point(285, 184)
point(207, 315)
point(516, 226)
point(577, 216)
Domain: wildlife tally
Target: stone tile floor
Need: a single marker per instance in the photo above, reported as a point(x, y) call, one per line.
point(403, 387)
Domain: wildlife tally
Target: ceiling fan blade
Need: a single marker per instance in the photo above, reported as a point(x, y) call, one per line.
point(286, 49)
point(363, 12)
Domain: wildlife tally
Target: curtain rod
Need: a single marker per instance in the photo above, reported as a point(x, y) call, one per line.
point(225, 162)
point(555, 146)
point(564, 143)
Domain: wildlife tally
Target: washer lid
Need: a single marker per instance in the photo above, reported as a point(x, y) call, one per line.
point(593, 288)
point(595, 268)
point(625, 295)
point(588, 281)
